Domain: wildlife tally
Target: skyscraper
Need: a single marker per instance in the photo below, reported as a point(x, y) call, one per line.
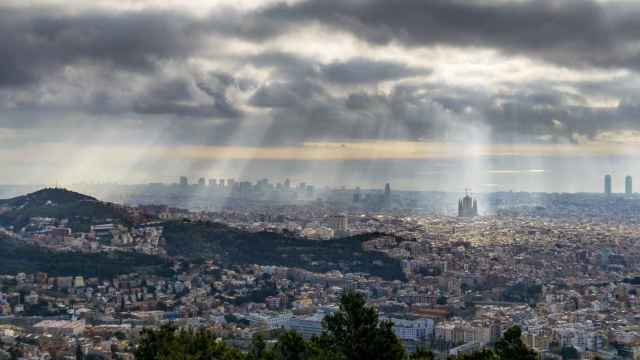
point(339, 224)
point(386, 200)
point(607, 185)
point(628, 185)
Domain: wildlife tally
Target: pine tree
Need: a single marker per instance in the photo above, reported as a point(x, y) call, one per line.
point(79, 352)
point(510, 346)
point(356, 332)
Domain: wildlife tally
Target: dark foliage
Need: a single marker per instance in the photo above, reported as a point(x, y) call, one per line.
point(354, 332)
point(168, 343)
point(197, 240)
point(510, 346)
point(523, 292)
point(17, 257)
point(569, 353)
point(81, 210)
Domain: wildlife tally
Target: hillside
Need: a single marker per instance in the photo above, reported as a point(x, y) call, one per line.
point(81, 210)
point(47, 196)
point(202, 240)
point(18, 257)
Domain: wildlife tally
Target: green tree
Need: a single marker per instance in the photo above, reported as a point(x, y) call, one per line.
point(79, 352)
point(485, 354)
point(569, 353)
point(258, 349)
point(168, 343)
point(356, 332)
point(291, 346)
point(511, 347)
point(422, 354)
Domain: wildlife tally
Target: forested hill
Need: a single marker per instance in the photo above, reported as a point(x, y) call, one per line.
point(19, 257)
point(47, 196)
point(202, 240)
point(81, 210)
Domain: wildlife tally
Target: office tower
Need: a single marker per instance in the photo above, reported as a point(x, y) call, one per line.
point(628, 185)
point(467, 207)
point(607, 185)
point(339, 224)
point(201, 182)
point(184, 181)
point(386, 200)
point(357, 196)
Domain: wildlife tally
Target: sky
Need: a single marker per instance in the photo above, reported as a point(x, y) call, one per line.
point(492, 95)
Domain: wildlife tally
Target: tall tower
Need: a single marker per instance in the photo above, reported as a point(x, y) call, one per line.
point(387, 195)
point(607, 185)
point(628, 185)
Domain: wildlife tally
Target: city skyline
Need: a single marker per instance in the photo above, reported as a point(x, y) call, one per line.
point(612, 185)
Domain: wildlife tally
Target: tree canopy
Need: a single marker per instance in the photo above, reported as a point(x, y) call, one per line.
point(354, 332)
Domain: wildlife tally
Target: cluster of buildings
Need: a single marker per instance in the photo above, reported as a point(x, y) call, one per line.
point(562, 267)
point(59, 235)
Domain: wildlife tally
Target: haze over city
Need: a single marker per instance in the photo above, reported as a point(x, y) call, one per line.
point(493, 95)
point(319, 179)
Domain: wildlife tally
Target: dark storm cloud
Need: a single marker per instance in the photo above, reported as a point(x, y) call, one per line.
point(303, 98)
point(531, 113)
point(404, 113)
point(286, 94)
point(188, 97)
point(184, 96)
point(363, 101)
point(572, 32)
point(353, 71)
point(361, 70)
point(38, 42)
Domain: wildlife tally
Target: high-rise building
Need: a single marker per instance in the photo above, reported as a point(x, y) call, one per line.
point(339, 224)
point(607, 185)
point(201, 181)
point(184, 181)
point(628, 185)
point(356, 195)
point(387, 195)
point(467, 206)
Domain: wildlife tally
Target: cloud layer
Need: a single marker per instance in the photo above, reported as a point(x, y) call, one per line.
point(324, 71)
